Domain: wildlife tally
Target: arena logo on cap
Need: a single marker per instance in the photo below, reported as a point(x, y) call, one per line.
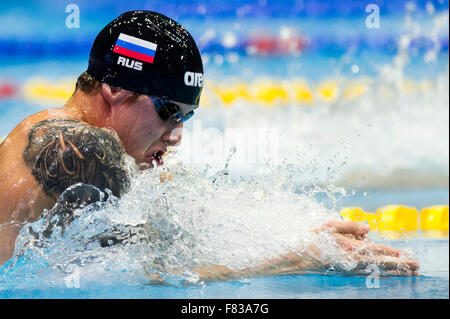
point(193, 79)
point(135, 48)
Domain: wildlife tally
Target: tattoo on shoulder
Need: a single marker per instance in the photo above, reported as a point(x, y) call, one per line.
point(62, 153)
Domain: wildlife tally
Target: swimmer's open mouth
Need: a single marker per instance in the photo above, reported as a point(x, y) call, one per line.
point(157, 157)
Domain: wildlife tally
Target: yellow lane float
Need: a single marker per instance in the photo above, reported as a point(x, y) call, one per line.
point(394, 221)
point(266, 92)
point(271, 93)
point(354, 90)
point(398, 218)
point(230, 94)
point(358, 215)
point(434, 218)
point(328, 91)
point(44, 91)
point(302, 93)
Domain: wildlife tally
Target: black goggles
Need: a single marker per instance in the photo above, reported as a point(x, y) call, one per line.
point(168, 110)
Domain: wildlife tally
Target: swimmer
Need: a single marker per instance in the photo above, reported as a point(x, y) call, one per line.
point(144, 79)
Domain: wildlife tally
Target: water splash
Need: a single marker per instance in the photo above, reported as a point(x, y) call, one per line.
point(190, 221)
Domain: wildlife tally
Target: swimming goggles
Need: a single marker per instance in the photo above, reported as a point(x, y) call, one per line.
point(168, 110)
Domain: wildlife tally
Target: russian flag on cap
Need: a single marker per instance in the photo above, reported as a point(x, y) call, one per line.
point(135, 48)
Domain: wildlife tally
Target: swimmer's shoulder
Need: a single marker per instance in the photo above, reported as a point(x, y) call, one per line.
point(21, 193)
point(17, 137)
point(60, 151)
point(64, 152)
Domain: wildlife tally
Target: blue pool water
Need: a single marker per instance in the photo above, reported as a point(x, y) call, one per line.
point(433, 283)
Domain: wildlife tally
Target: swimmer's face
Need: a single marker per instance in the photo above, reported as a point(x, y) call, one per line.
point(144, 134)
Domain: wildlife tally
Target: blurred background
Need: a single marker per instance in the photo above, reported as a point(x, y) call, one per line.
point(353, 93)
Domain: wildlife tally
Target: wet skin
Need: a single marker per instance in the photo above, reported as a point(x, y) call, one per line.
point(22, 198)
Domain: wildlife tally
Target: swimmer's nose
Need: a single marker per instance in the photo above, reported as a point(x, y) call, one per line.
point(173, 138)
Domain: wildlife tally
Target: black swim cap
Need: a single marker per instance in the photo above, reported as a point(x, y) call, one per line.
point(149, 53)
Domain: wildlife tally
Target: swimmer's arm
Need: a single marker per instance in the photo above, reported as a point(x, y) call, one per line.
point(8, 234)
point(349, 236)
point(287, 264)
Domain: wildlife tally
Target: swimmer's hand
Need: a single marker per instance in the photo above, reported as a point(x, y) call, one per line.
point(351, 239)
point(62, 214)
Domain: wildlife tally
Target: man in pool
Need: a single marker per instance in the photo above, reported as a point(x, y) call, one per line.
point(144, 79)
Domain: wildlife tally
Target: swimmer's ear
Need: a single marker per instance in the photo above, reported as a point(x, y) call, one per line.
point(115, 96)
